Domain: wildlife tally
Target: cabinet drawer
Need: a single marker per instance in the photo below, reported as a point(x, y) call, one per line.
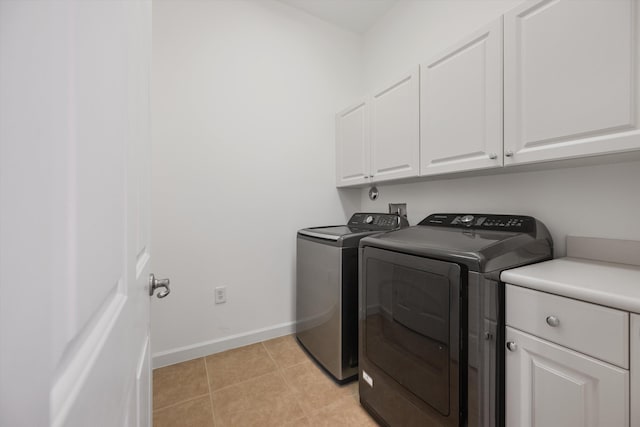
point(591, 329)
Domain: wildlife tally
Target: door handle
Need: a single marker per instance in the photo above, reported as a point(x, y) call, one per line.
point(155, 284)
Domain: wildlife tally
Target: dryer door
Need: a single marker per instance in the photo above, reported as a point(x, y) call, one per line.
point(411, 329)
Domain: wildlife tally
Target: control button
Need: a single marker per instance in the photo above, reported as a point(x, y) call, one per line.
point(368, 219)
point(467, 219)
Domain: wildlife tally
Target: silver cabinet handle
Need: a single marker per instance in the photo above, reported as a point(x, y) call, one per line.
point(493, 156)
point(553, 321)
point(511, 346)
point(508, 153)
point(155, 284)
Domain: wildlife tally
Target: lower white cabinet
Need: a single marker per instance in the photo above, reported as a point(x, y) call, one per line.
point(569, 362)
point(550, 385)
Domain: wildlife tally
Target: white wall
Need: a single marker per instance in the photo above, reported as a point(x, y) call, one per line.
point(414, 31)
point(244, 96)
point(600, 201)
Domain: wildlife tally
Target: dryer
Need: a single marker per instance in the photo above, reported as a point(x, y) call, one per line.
point(431, 317)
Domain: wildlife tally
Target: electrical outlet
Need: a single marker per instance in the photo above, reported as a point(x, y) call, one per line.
point(221, 294)
point(398, 208)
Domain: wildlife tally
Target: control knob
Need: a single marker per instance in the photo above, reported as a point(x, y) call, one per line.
point(368, 219)
point(467, 219)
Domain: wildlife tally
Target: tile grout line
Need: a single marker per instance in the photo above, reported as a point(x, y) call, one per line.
point(200, 396)
point(206, 371)
point(248, 379)
point(280, 372)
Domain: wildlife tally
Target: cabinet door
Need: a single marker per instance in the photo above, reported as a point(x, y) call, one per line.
point(635, 370)
point(549, 385)
point(461, 105)
point(395, 144)
point(571, 79)
point(352, 146)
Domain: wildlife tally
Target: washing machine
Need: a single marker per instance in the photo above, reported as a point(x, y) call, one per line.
point(327, 290)
point(432, 317)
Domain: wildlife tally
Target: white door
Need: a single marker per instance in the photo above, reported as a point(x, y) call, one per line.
point(352, 145)
point(395, 129)
point(74, 92)
point(550, 385)
point(571, 79)
point(461, 105)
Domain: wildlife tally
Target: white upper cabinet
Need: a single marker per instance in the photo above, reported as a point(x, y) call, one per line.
point(461, 105)
point(352, 146)
point(571, 78)
point(395, 131)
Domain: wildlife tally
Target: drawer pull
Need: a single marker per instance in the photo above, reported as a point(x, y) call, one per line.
point(553, 321)
point(511, 346)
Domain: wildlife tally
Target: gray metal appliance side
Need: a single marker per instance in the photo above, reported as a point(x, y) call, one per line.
point(326, 278)
point(484, 314)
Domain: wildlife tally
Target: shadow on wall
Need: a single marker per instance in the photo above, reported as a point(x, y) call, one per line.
point(350, 200)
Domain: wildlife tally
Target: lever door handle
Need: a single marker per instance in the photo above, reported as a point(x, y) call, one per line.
point(158, 283)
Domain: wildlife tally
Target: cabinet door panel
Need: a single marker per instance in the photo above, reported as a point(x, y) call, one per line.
point(571, 73)
point(352, 146)
point(549, 385)
point(395, 129)
point(461, 105)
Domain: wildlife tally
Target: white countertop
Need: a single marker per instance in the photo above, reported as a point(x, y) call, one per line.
point(605, 283)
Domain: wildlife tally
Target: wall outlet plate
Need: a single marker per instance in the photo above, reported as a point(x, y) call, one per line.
point(398, 208)
point(221, 294)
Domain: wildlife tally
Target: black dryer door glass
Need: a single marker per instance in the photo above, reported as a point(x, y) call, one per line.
point(411, 328)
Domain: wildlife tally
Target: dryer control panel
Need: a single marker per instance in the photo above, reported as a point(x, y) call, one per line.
point(377, 221)
point(512, 223)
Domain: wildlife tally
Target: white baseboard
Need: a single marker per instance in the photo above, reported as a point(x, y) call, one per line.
point(182, 354)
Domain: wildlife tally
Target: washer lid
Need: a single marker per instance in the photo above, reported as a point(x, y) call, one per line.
point(328, 233)
point(339, 235)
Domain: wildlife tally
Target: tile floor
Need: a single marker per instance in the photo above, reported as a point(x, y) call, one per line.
point(272, 383)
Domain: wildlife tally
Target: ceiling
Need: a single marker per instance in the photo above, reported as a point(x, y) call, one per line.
point(353, 15)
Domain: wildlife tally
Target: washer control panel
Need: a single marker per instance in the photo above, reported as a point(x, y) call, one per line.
point(377, 221)
point(512, 223)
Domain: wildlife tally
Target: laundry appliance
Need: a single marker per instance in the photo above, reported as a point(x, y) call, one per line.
point(327, 290)
point(431, 317)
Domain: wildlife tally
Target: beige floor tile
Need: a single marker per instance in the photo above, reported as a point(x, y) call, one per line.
point(300, 422)
point(313, 388)
point(353, 387)
point(345, 412)
point(263, 401)
point(194, 413)
point(177, 383)
point(285, 351)
point(237, 365)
